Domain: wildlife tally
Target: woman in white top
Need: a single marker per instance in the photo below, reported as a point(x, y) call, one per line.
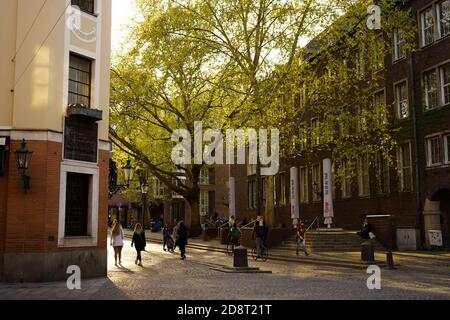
point(117, 241)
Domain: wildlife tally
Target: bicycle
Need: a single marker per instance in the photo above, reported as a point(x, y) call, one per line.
point(264, 253)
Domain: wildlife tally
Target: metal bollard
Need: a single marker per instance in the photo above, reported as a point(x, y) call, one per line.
point(390, 259)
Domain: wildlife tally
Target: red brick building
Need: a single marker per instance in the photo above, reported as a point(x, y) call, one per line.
point(414, 197)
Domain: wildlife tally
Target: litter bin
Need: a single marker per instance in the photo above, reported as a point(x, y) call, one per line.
point(240, 257)
point(367, 252)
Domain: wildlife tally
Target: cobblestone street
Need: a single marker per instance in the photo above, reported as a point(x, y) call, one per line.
point(165, 276)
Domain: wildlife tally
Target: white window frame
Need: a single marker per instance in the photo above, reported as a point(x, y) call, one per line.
point(441, 85)
point(446, 149)
point(315, 139)
point(399, 41)
point(429, 151)
point(204, 176)
point(397, 91)
point(319, 177)
point(422, 25)
point(438, 18)
point(427, 91)
point(400, 157)
point(92, 239)
point(204, 202)
point(376, 105)
point(158, 188)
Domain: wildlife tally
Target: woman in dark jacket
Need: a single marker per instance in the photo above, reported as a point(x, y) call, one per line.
point(182, 241)
point(138, 242)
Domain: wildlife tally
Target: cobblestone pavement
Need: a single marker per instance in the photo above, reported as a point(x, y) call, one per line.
point(165, 276)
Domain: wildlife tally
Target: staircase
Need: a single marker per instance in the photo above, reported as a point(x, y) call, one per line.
point(331, 241)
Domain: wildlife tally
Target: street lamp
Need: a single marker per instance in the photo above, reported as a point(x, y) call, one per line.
point(143, 181)
point(23, 157)
point(128, 173)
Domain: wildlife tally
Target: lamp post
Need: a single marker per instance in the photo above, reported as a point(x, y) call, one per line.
point(128, 173)
point(143, 181)
point(23, 157)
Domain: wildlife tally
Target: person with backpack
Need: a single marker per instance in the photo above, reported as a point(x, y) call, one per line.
point(258, 236)
point(235, 235)
point(301, 239)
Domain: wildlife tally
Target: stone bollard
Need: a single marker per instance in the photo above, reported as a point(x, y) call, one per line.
point(390, 260)
point(367, 252)
point(240, 257)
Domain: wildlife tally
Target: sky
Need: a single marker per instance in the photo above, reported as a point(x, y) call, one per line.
point(122, 12)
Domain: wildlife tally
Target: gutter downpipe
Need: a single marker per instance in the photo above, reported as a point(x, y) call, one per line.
point(419, 191)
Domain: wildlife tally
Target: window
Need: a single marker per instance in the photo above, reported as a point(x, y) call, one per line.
point(317, 182)
point(85, 5)
point(363, 176)
point(204, 176)
point(346, 180)
point(361, 120)
point(399, 45)
point(431, 89)
point(282, 189)
point(315, 132)
point(379, 102)
point(304, 185)
point(77, 204)
point(382, 174)
point(404, 167)
point(378, 54)
point(447, 149)
point(427, 26)
point(445, 83)
point(178, 182)
point(80, 80)
point(401, 94)
point(158, 188)
point(434, 153)
point(204, 202)
point(443, 14)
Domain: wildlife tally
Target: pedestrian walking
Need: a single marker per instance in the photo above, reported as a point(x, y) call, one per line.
point(231, 222)
point(266, 234)
point(301, 239)
point(139, 242)
point(235, 235)
point(182, 239)
point(117, 242)
point(258, 236)
point(167, 236)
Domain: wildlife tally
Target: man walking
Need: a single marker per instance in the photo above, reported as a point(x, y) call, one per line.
point(258, 236)
point(301, 239)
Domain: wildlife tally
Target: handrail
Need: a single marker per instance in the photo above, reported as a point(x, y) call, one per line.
point(314, 221)
point(253, 222)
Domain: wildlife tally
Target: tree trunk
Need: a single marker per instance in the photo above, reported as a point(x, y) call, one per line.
point(195, 213)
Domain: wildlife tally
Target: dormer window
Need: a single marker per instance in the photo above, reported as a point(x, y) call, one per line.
point(87, 6)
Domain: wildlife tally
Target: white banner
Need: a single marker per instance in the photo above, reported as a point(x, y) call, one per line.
point(232, 197)
point(328, 211)
point(295, 207)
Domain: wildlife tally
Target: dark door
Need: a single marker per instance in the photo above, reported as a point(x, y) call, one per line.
point(77, 202)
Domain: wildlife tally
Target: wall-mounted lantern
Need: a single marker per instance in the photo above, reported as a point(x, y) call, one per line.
point(23, 157)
